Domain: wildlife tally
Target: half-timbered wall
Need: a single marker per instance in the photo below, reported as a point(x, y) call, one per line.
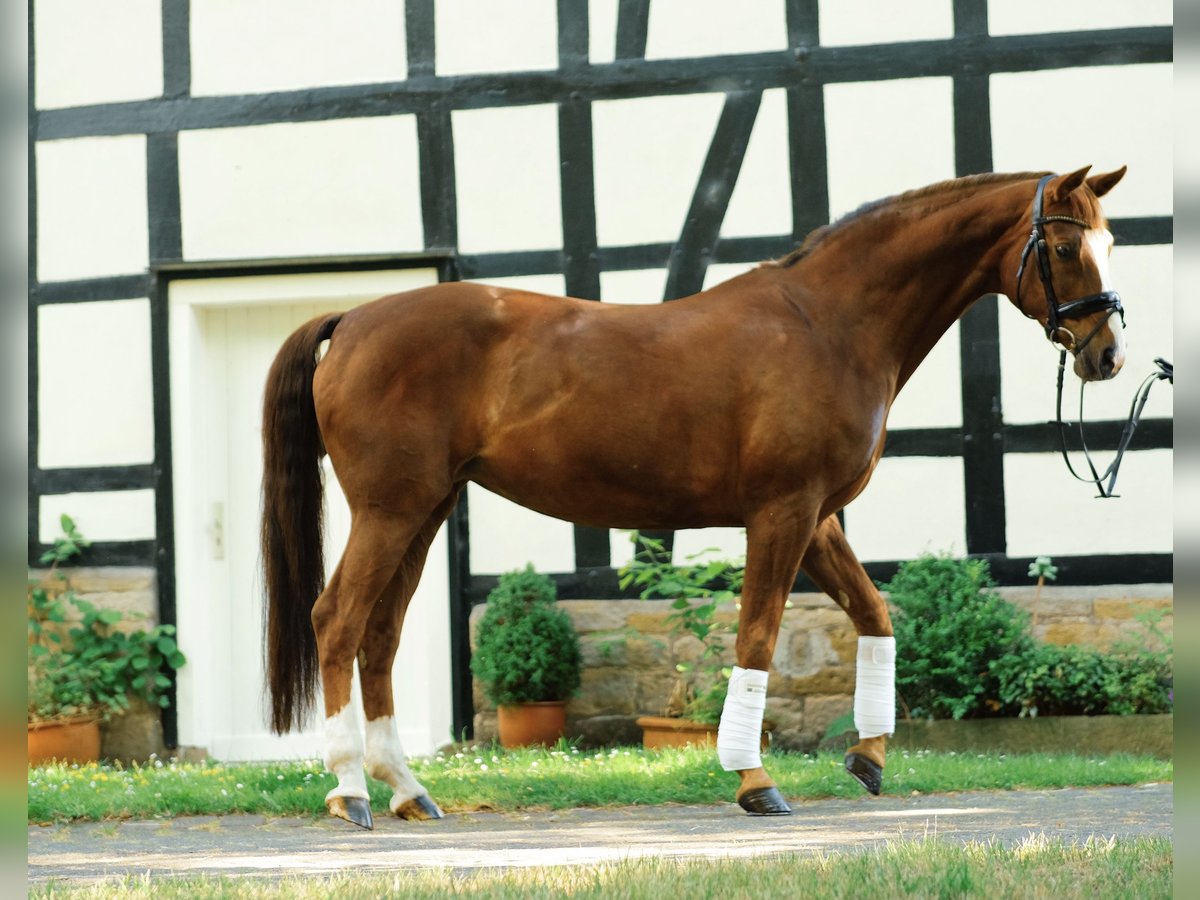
point(617, 150)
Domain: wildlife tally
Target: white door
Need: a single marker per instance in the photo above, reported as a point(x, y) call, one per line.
point(224, 335)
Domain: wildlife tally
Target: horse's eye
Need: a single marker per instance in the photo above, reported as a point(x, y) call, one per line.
point(1064, 251)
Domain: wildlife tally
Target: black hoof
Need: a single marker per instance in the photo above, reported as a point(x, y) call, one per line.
point(868, 774)
point(765, 801)
point(421, 807)
point(355, 810)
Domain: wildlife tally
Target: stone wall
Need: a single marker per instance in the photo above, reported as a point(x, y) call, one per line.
point(630, 654)
point(134, 591)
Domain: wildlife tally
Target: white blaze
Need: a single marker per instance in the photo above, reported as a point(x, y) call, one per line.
point(1099, 242)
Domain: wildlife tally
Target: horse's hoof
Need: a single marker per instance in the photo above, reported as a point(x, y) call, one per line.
point(869, 774)
point(764, 801)
point(353, 809)
point(421, 807)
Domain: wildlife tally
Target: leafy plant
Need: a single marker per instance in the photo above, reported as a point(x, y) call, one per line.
point(695, 590)
point(1128, 679)
point(951, 630)
point(82, 663)
point(527, 649)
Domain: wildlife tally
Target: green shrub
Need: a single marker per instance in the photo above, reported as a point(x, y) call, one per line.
point(1128, 679)
point(695, 590)
point(82, 662)
point(951, 631)
point(527, 649)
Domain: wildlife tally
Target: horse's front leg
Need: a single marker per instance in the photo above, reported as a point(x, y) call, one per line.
point(775, 541)
point(834, 568)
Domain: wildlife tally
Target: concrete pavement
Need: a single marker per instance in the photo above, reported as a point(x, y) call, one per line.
point(256, 845)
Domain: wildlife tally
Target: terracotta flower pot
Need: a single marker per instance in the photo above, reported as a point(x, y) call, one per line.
point(64, 740)
point(532, 723)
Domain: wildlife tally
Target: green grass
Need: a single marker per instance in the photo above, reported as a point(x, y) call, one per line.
point(1038, 868)
point(488, 778)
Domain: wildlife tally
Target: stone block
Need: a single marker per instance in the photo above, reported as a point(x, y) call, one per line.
point(820, 711)
point(648, 623)
point(1082, 633)
point(606, 690)
point(133, 736)
point(486, 730)
point(1128, 608)
point(832, 680)
point(596, 615)
point(604, 731)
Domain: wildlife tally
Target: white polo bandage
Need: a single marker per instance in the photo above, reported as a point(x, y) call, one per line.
point(875, 687)
point(739, 736)
point(344, 754)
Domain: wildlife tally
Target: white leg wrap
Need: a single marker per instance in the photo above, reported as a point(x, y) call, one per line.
point(875, 687)
point(387, 762)
point(344, 754)
point(739, 735)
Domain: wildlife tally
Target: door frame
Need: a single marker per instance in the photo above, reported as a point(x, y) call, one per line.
point(175, 331)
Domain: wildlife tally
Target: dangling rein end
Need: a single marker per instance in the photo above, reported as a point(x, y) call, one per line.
point(1107, 481)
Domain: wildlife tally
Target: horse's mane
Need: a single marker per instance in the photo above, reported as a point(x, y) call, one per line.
point(934, 196)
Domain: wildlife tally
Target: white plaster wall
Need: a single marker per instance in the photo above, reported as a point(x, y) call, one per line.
point(1036, 16)
point(505, 536)
point(480, 36)
point(1109, 116)
point(762, 197)
point(87, 52)
point(308, 189)
point(507, 179)
point(933, 396)
point(633, 286)
point(91, 207)
point(273, 45)
point(602, 31)
point(648, 156)
point(1049, 513)
point(100, 515)
point(686, 28)
point(879, 21)
point(886, 137)
point(95, 404)
point(912, 505)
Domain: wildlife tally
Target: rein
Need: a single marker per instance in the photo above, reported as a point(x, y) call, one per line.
point(1165, 371)
point(1105, 301)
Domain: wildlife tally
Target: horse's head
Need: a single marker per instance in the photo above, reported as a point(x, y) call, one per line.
point(1062, 277)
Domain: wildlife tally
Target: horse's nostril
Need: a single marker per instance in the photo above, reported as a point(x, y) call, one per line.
point(1108, 362)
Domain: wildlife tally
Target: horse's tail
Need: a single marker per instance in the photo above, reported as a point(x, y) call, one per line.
point(292, 497)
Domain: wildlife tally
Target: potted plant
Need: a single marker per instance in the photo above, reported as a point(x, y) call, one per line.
point(528, 659)
point(696, 591)
point(83, 668)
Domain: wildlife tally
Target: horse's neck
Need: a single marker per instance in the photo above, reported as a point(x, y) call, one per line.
point(910, 277)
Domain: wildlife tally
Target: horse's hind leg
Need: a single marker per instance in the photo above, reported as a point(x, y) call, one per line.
point(775, 541)
point(374, 550)
point(834, 568)
point(385, 758)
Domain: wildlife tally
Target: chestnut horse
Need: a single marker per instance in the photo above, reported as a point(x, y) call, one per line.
point(760, 402)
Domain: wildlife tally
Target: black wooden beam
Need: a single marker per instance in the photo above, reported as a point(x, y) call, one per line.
point(625, 78)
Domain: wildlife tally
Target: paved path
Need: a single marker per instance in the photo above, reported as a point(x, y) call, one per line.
point(273, 846)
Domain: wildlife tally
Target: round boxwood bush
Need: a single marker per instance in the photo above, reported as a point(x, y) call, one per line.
point(952, 630)
point(526, 649)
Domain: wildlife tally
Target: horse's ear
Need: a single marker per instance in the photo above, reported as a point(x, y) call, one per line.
point(1061, 187)
point(1102, 184)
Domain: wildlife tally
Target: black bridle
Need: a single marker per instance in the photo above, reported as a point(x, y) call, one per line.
point(1108, 302)
point(1105, 301)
